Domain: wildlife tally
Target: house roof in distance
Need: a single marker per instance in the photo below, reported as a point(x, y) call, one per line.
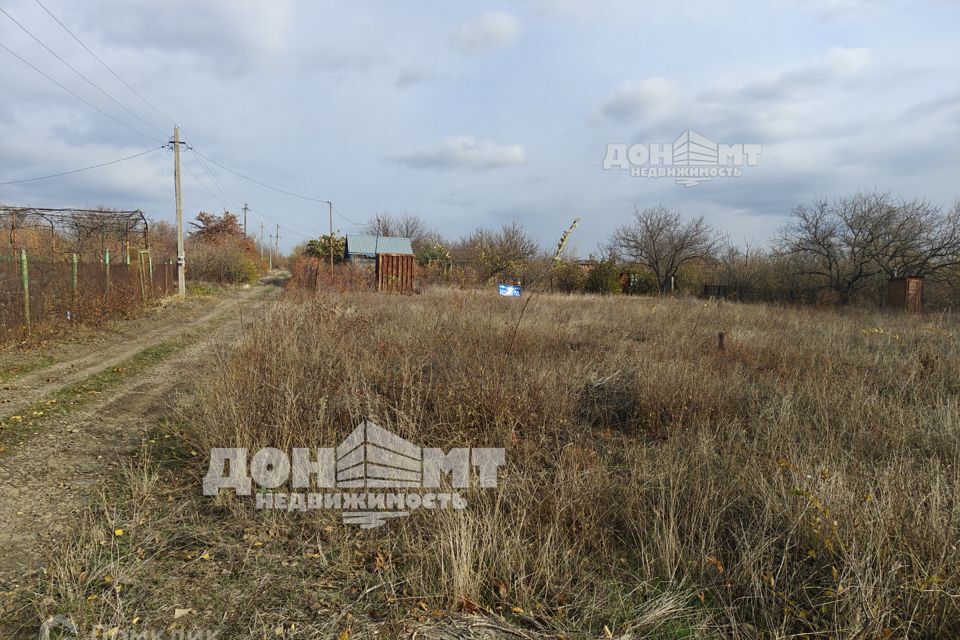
point(363, 245)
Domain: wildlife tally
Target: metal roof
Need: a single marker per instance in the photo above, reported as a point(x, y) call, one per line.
point(358, 245)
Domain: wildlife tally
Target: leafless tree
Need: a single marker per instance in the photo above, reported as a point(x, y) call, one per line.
point(846, 243)
point(406, 225)
point(663, 241)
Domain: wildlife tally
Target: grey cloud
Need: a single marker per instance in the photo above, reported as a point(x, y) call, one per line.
point(463, 152)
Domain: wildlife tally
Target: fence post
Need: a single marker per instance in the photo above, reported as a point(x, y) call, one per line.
point(106, 266)
point(74, 274)
point(140, 265)
point(25, 279)
point(150, 261)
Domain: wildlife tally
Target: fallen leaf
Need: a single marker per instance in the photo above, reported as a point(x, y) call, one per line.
point(468, 605)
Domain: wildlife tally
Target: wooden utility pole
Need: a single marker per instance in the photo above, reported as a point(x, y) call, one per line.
point(244, 218)
point(181, 258)
point(270, 252)
point(276, 242)
point(330, 210)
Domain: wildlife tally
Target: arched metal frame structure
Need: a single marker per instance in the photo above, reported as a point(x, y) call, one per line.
point(88, 232)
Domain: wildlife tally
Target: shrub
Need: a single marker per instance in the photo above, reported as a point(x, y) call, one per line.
point(604, 278)
point(228, 260)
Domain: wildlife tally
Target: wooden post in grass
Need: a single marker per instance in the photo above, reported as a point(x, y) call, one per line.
point(106, 269)
point(74, 274)
point(25, 279)
point(140, 266)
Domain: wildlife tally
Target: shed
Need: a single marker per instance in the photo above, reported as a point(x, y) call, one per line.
point(364, 247)
point(905, 293)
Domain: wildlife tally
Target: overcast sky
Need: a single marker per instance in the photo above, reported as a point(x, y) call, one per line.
point(475, 114)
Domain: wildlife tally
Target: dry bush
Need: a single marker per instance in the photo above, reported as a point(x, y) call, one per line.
point(226, 260)
point(803, 481)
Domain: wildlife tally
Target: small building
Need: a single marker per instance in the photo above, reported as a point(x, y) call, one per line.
point(587, 266)
point(392, 258)
point(905, 293)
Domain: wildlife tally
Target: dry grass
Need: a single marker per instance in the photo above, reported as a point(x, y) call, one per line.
point(803, 482)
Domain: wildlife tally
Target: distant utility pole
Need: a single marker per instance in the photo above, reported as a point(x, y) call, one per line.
point(276, 242)
point(270, 250)
point(181, 257)
point(261, 240)
point(330, 210)
point(244, 218)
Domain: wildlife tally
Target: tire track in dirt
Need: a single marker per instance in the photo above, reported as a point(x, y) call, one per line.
point(23, 391)
point(55, 474)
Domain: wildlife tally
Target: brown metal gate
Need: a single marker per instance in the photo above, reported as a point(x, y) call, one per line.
point(395, 272)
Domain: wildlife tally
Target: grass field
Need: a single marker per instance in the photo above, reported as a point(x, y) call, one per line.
point(802, 482)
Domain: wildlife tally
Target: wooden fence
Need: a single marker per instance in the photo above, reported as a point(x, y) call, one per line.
point(396, 272)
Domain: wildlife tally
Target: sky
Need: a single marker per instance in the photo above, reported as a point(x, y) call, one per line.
point(475, 114)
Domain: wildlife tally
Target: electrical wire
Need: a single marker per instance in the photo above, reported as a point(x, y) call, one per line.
point(104, 64)
point(77, 72)
point(262, 184)
point(200, 157)
point(75, 95)
point(95, 166)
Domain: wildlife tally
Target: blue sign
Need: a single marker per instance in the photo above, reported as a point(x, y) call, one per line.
point(511, 290)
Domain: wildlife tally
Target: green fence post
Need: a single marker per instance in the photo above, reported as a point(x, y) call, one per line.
point(74, 274)
point(106, 265)
point(25, 279)
point(140, 266)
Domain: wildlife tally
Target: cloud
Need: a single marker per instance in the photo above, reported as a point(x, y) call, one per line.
point(489, 31)
point(635, 99)
point(463, 152)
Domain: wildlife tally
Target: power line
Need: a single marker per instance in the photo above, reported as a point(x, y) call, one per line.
point(78, 97)
point(262, 184)
point(297, 230)
point(96, 166)
point(76, 71)
point(104, 64)
point(337, 211)
point(303, 231)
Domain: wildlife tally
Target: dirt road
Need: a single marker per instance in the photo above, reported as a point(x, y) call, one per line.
point(51, 471)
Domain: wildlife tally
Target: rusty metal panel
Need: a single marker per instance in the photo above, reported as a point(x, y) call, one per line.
point(905, 293)
point(395, 272)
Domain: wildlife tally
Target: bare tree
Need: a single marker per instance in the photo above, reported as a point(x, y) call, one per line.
point(406, 225)
point(847, 243)
point(663, 241)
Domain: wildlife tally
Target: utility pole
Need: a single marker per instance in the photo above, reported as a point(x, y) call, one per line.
point(330, 210)
point(270, 250)
point(261, 241)
point(181, 258)
point(276, 242)
point(244, 218)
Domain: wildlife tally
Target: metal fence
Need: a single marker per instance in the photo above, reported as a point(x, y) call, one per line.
point(38, 291)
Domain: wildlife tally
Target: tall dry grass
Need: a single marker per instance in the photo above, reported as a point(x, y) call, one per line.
point(801, 482)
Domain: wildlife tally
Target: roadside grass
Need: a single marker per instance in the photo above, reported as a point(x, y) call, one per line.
point(802, 481)
point(23, 366)
point(17, 427)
